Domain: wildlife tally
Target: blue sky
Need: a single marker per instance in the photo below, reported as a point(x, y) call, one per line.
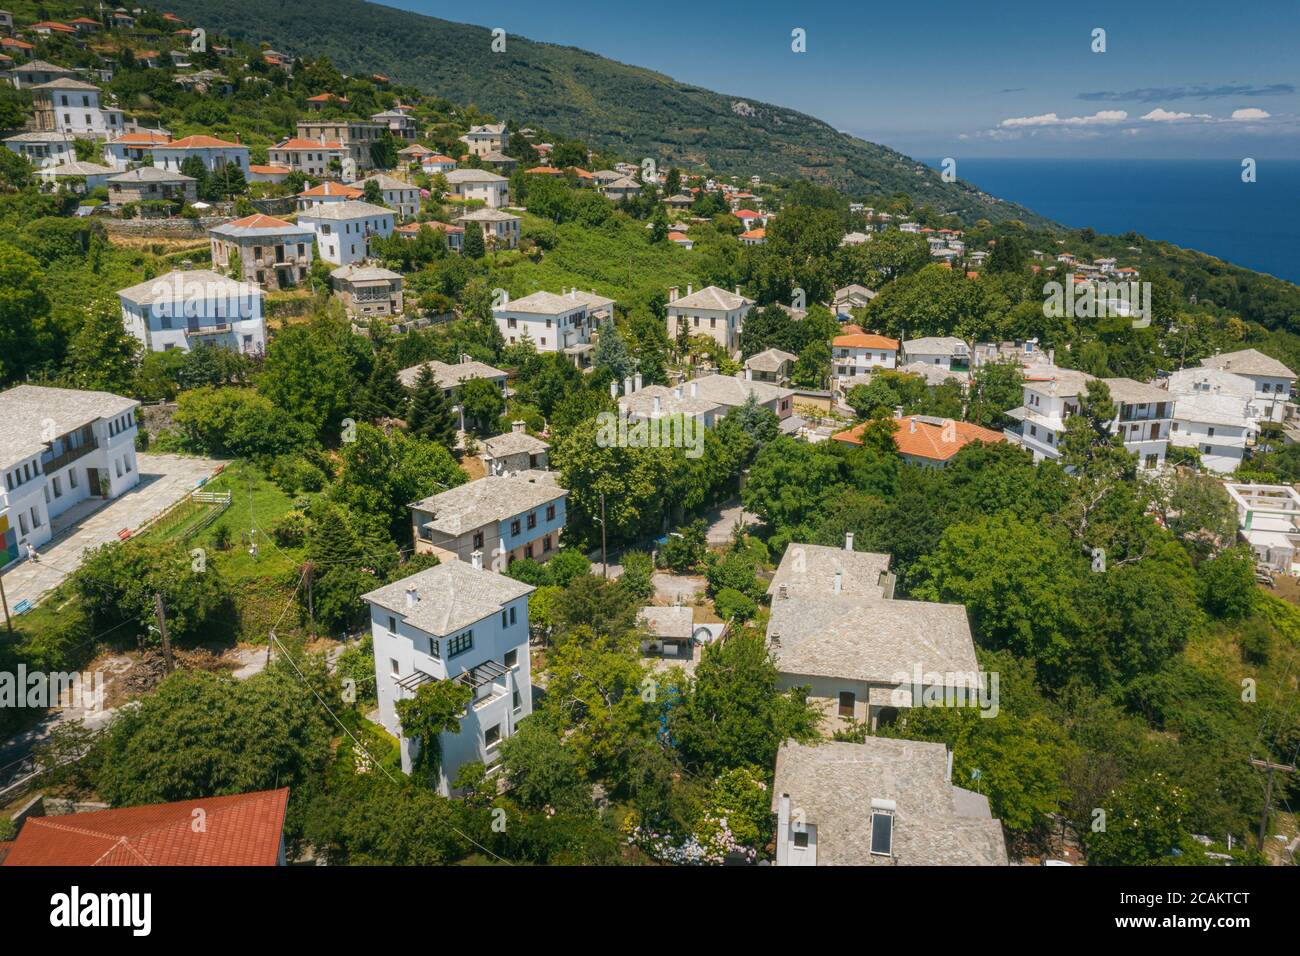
point(1190, 78)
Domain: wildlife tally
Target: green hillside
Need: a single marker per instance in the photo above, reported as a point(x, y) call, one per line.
point(579, 94)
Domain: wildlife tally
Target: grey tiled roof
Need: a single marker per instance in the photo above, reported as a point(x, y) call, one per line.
point(1249, 362)
point(544, 303)
point(769, 360)
point(711, 298)
point(809, 569)
point(513, 443)
point(348, 209)
point(151, 174)
point(455, 176)
point(1130, 392)
point(867, 638)
point(733, 391)
point(450, 596)
point(642, 404)
point(493, 498)
point(27, 410)
point(449, 376)
point(936, 345)
point(671, 622)
point(831, 785)
point(185, 285)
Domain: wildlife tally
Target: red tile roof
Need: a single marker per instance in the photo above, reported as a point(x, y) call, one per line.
point(747, 214)
point(545, 171)
point(332, 189)
point(754, 234)
point(54, 25)
point(298, 143)
point(143, 138)
point(864, 340)
point(259, 221)
point(327, 98)
point(268, 170)
point(240, 830)
point(201, 142)
point(16, 44)
point(937, 442)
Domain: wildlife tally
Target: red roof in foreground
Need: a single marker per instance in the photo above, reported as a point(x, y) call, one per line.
point(924, 439)
point(240, 830)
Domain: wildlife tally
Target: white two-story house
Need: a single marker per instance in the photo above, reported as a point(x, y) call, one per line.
point(491, 189)
point(501, 518)
point(460, 623)
point(555, 323)
point(344, 229)
point(181, 309)
point(711, 311)
point(58, 448)
point(1274, 382)
point(856, 354)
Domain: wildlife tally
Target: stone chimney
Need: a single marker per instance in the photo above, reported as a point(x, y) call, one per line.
point(848, 541)
point(839, 580)
point(783, 592)
point(476, 559)
point(898, 411)
point(412, 597)
point(516, 426)
point(737, 290)
point(672, 294)
point(688, 288)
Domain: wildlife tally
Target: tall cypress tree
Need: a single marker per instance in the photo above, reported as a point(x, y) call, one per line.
point(383, 395)
point(430, 415)
point(472, 246)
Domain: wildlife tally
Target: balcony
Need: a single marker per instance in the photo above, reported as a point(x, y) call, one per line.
point(486, 680)
point(69, 455)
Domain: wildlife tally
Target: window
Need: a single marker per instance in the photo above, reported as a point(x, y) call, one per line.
point(512, 658)
point(512, 614)
point(550, 512)
point(58, 487)
point(528, 550)
point(546, 544)
point(492, 736)
point(505, 619)
point(392, 662)
point(517, 702)
point(460, 643)
point(532, 520)
point(433, 649)
point(514, 527)
point(882, 833)
point(1210, 432)
point(801, 839)
point(847, 701)
point(478, 539)
point(392, 624)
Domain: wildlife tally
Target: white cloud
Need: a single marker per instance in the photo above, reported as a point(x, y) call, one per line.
point(1249, 114)
point(1162, 115)
point(1051, 119)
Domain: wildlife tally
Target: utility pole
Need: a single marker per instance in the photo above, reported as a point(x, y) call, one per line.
point(604, 558)
point(162, 630)
point(5, 601)
point(311, 611)
point(1268, 793)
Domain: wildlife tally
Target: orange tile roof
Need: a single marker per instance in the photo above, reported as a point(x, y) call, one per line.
point(240, 830)
point(678, 237)
point(54, 25)
point(438, 158)
point(754, 234)
point(545, 171)
point(581, 173)
point(327, 98)
point(259, 221)
point(145, 138)
point(747, 214)
point(298, 143)
point(928, 440)
point(864, 340)
point(332, 189)
point(268, 170)
point(85, 20)
point(17, 44)
point(201, 142)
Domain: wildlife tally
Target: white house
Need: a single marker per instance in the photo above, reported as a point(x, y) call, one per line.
point(126, 150)
point(856, 354)
point(711, 311)
point(454, 622)
point(43, 149)
point(470, 184)
point(1274, 382)
point(500, 518)
point(555, 323)
point(69, 105)
point(343, 229)
point(655, 402)
point(1052, 395)
point(1221, 427)
point(882, 802)
point(215, 153)
point(397, 195)
point(500, 229)
point(487, 138)
point(940, 351)
point(326, 192)
point(181, 309)
point(59, 447)
point(93, 175)
point(315, 158)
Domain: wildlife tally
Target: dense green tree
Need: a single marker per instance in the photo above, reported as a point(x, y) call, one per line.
point(430, 415)
point(435, 709)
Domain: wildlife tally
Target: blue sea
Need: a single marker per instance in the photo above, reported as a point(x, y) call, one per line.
point(1196, 203)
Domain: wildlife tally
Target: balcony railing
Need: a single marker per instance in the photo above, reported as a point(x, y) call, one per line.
point(70, 455)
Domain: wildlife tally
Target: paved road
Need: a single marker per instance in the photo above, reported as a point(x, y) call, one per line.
point(164, 480)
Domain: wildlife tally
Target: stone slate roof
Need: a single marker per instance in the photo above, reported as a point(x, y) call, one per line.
point(544, 303)
point(513, 443)
point(732, 392)
point(26, 410)
point(671, 622)
point(449, 376)
point(150, 174)
point(1130, 392)
point(182, 286)
point(1248, 362)
point(833, 784)
point(486, 501)
point(711, 298)
point(347, 209)
point(450, 596)
point(809, 569)
point(769, 360)
point(642, 404)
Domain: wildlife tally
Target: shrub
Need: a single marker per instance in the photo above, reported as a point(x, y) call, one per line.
point(731, 605)
point(290, 529)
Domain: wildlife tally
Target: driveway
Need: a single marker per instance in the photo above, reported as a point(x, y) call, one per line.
point(677, 588)
point(722, 522)
point(164, 480)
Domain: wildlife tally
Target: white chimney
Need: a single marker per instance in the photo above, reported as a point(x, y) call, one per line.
point(516, 426)
point(695, 389)
point(613, 388)
point(737, 290)
point(678, 391)
point(636, 382)
point(749, 374)
point(848, 540)
point(627, 385)
point(657, 405)
point(898, 411)
point(688, 288)
point(672, 294)
point(839, 580)
point(783, 592)
point(912, 423)
point(412, 597)
point(476, 559)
